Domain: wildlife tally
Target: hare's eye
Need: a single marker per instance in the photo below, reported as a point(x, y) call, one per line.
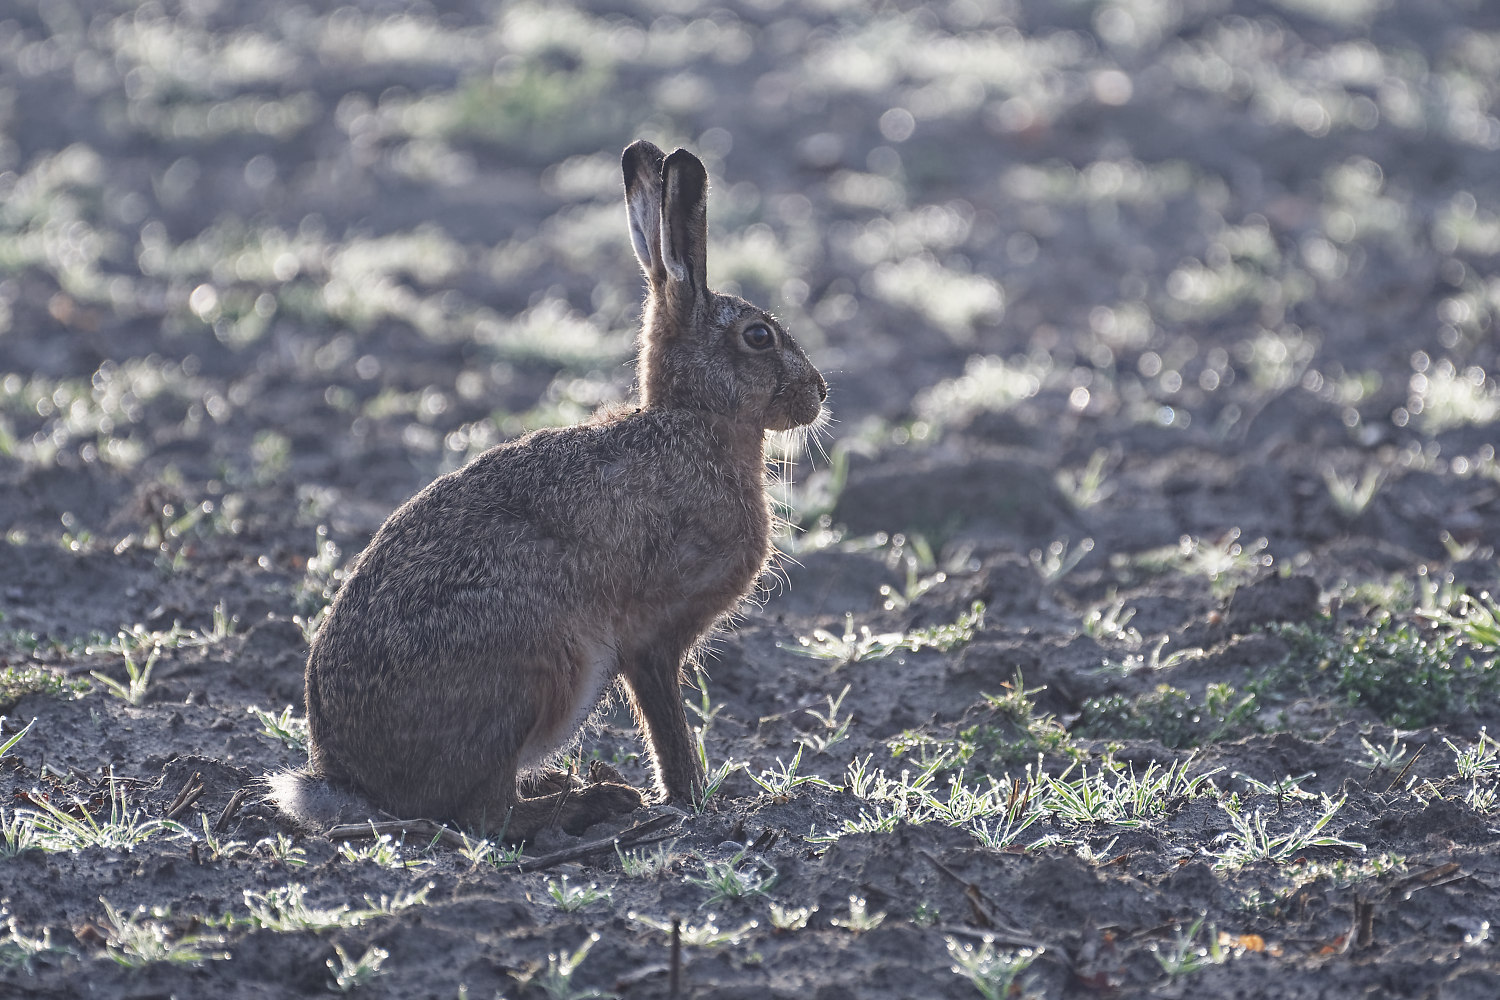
point(758, 337)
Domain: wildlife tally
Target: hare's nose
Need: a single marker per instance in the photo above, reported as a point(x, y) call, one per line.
point(822, 390)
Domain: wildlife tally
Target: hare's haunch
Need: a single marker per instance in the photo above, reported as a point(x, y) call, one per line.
point(491, 612)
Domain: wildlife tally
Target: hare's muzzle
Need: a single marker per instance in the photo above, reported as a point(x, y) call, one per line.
point(798, 403)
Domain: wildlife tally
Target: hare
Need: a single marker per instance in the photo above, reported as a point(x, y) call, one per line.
point(491, 613)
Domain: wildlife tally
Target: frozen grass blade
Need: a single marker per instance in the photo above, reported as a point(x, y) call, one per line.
point(5, 747)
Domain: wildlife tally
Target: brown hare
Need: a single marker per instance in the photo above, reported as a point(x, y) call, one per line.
point(491, 613)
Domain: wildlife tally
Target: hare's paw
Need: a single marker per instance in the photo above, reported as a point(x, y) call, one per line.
point(615, 797)
point(596, 803)
point(548, 782)
point(600, 772)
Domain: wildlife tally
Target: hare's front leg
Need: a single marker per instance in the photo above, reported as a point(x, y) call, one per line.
point(653, 680)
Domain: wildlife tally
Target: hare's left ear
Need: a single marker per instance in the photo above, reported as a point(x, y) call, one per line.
point(642, 164)
point(684, 222)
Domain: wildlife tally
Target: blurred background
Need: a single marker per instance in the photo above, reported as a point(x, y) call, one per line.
point(1151, 268)
point(1161, 338)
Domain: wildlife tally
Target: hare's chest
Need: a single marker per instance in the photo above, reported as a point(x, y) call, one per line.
point(718, 553)
point(699, 523)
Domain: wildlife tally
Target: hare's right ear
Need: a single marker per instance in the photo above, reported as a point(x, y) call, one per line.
point(684, 236)
point(641, 163)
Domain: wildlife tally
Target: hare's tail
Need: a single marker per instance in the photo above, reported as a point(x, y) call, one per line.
point(310, 802)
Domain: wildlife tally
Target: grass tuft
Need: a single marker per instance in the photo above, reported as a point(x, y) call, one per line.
point(1169, 715)
point(734, 879)
point(21, 951)
point(852, 647)
point(145, 937)
point(860, 919)
point(52, 828)
point(1185, 955)
point(285, 909)
point(18, 682)
point(791, 918)
point(705, 935)
point(571, 898)
point(1249, 841)
point(995, 974)
point(286, 728)
point(646, 863)
point(1407, 676)
point(349, 974)
point(780, 781)
point(384, 851)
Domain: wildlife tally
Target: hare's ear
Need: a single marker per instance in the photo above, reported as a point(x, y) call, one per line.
point(684, 221)
point(641, 163)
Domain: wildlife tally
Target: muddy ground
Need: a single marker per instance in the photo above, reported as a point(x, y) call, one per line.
point(1165, 331)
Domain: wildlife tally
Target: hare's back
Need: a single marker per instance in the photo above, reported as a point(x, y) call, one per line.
point(562, 522)
point(513, 519)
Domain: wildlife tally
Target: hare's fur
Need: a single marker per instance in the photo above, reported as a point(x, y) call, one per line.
point(490, 614)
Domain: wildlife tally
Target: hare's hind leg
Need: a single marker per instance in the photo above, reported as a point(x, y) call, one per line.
point(505, 813)
point(653, 681)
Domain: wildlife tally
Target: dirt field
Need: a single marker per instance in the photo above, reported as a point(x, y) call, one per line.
point(1137, 621)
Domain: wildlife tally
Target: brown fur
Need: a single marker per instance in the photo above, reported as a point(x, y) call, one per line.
point(492, 611)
